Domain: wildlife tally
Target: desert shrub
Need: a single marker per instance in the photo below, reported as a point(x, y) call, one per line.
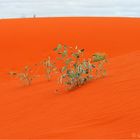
point(99, 59)
point(25, 75)
point(76, 70)
point(49, 67)
point(29, 73)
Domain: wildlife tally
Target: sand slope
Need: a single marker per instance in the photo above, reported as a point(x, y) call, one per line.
point(106, 108)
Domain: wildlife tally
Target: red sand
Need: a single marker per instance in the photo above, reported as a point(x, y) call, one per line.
point(106, 108)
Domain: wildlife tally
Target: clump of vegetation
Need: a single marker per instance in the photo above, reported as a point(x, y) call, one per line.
point(76, 70)
point(25, 76)
point(49, 67)
point(100, 59)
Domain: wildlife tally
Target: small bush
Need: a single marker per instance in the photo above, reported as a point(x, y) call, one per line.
point(25, 76)
point(49, 67)
point(76, 70)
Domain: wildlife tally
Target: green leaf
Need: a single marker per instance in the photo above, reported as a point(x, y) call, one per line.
point(68, 61)
point(64, 68)
point(59, 58)
point(71, 75)
point(85, 64)
point(75, 65)
point(77, 74)
point(76, 55)
point(55, 49)
point(58, 47)
point(84, 71)
point(98, 57)
point(65, 47)
point(68, 71)
point(64, 53)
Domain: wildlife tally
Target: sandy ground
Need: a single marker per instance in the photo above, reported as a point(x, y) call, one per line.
point(105, 108)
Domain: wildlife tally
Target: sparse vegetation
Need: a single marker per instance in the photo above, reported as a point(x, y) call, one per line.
point(100, 59)
point(74, 69)
point(25, 76)
point(49, 67)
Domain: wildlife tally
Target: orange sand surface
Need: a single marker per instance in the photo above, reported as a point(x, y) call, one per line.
point(105, 108)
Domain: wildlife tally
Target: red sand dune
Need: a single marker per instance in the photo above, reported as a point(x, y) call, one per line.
point(105, 108)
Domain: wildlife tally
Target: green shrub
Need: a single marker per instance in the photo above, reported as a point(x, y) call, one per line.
point(76, 70)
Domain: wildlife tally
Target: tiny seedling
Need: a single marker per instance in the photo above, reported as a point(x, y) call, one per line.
point(100, 59)
point(25, 76)
point(49, 67)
